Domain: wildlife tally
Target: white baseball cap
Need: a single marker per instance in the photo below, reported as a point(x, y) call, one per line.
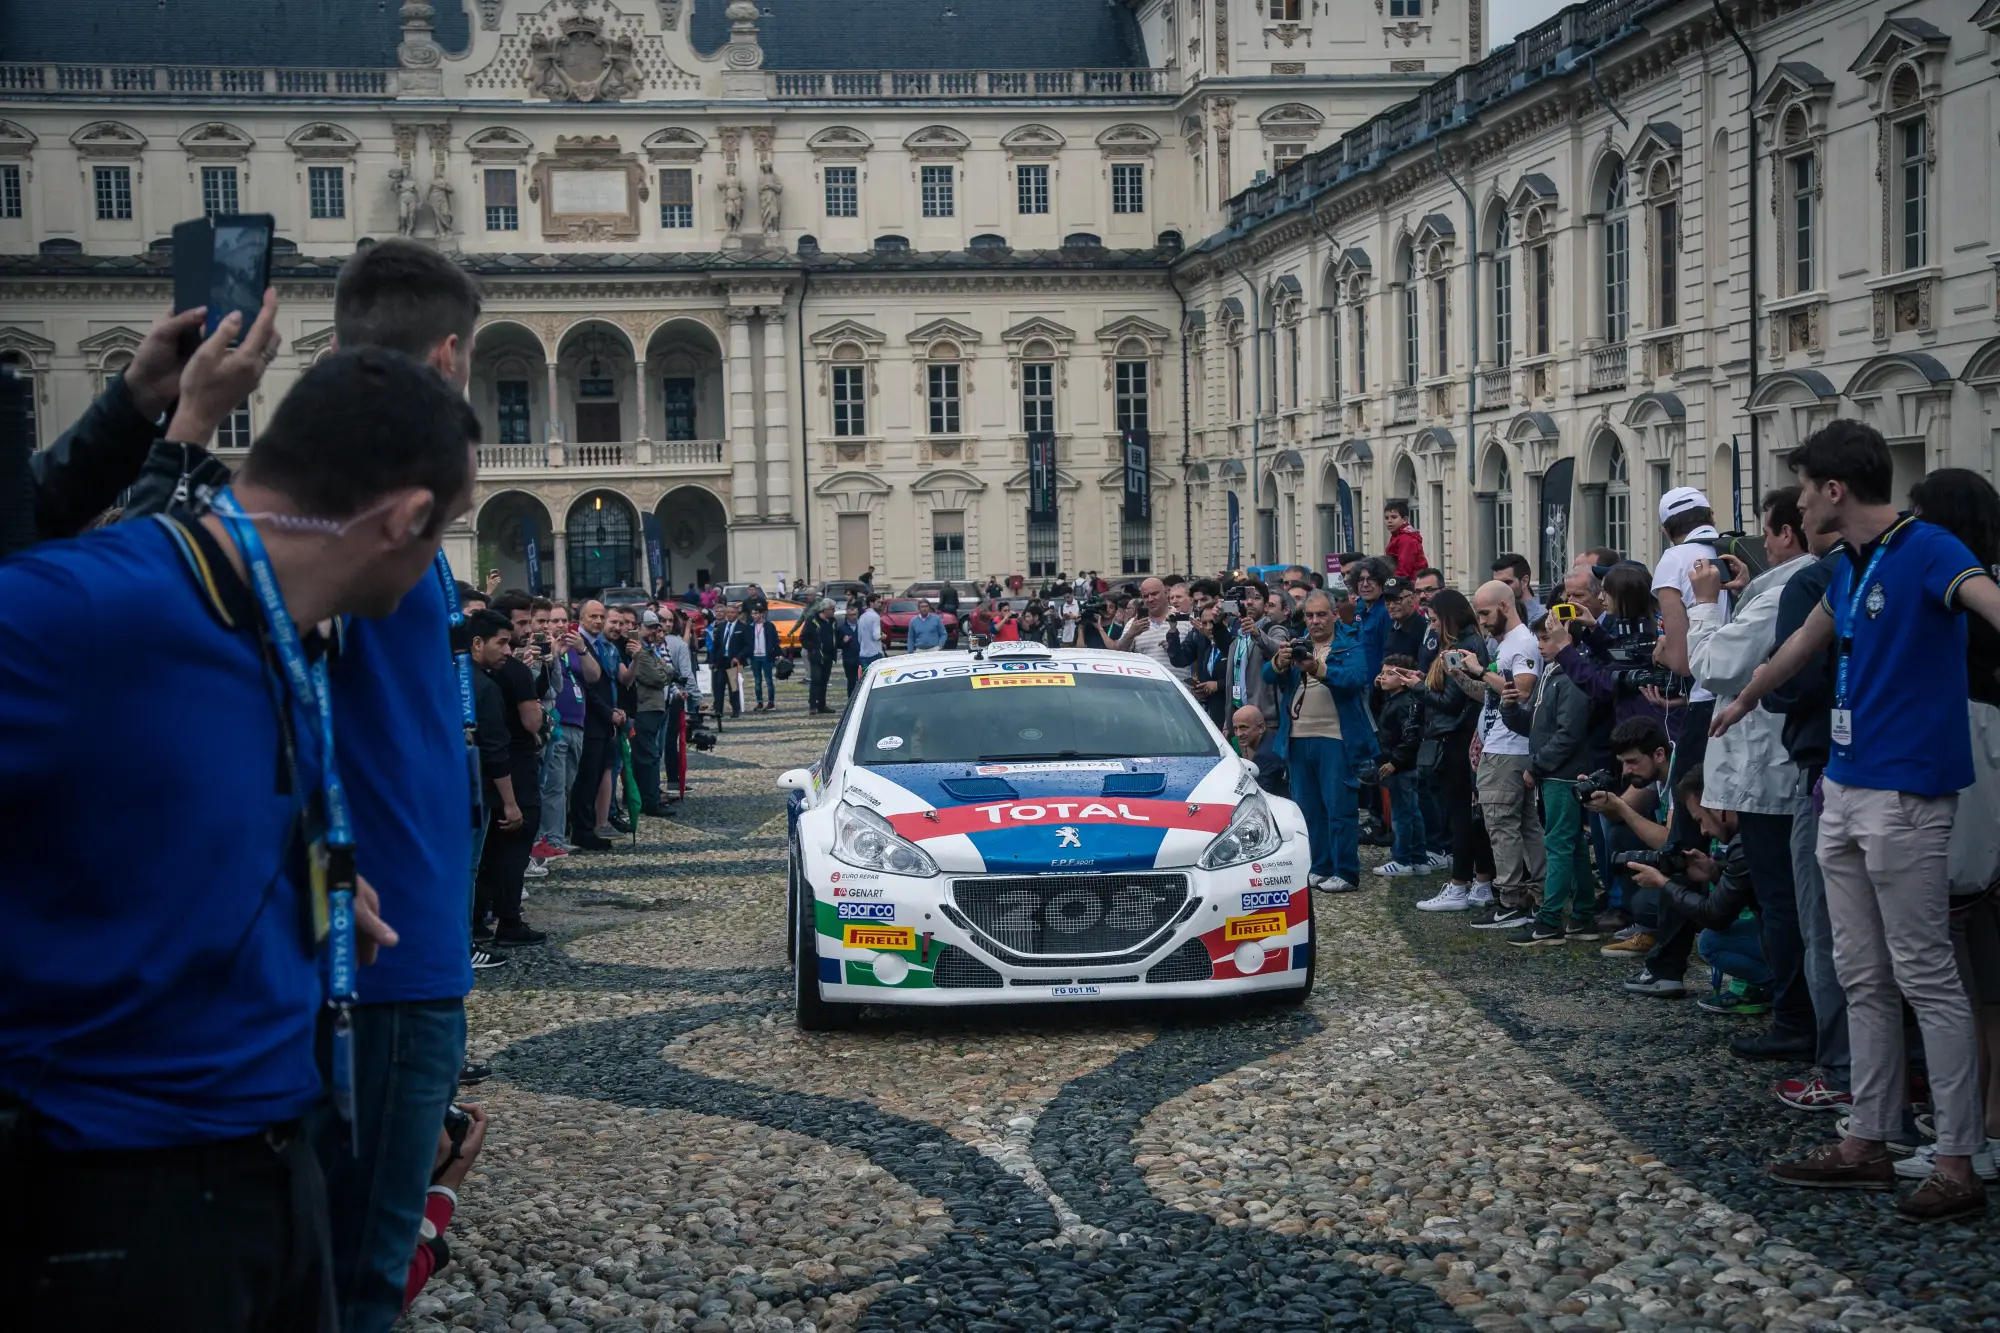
point(1681, 499)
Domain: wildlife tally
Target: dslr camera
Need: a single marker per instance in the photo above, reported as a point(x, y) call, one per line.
point(1669, 861)
point(1603, 780)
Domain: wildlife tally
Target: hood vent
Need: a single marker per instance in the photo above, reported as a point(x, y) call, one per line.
point(1134, 784)
point(980, 789)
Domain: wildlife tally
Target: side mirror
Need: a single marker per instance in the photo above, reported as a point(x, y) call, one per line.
point(797, 779)
point(1249, 768)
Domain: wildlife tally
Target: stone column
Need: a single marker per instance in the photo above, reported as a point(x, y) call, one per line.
point(777, 417)
point(1593, 282)
point(639, 386)
point(552, 423)
point(560, 541)
point(743, 487)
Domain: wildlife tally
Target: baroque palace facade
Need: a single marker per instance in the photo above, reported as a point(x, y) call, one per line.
point(788, 286)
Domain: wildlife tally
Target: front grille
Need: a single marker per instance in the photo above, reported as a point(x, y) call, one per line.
point(1187, 963)
point(959, 970)
point(1069, 916)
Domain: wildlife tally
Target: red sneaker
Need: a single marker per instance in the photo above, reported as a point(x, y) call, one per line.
point(1811, 1094)
point(542, 851)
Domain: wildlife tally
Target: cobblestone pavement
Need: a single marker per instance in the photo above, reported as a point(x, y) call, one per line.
point(1449, 1136)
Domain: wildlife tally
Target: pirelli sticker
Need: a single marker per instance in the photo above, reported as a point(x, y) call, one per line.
point(1015, 678)
point(1257, 927)
point(878, 937)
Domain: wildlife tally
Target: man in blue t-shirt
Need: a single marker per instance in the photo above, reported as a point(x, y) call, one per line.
point(1901, 753)
point(404, 760)
point(159, 989)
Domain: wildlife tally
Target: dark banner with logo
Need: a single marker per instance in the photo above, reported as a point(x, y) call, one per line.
point(1235, 532)
point(532, 549)
point(1138, 476)
point(1041, 475)
point(656, 560)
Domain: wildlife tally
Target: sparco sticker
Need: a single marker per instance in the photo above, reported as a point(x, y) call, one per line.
point(866, 911)
point(1267, 898)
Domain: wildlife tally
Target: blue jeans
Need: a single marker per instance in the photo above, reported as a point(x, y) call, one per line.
point(406, 1062)
point(1406, 812)
point(767, 685)
point(649, 739)
point(1738, 950)
point(1323, 783)
point(1437, 825)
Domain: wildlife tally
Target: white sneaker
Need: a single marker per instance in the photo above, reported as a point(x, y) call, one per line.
point(481, 960)
point(536, 870)
point(1437, 861)
point(1919, 1164)
point(1452, 898)
point(1397, 870)
point(1481, 894)
point(1335, 884)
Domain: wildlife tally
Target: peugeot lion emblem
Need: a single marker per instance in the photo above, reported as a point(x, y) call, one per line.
point(1066, 836)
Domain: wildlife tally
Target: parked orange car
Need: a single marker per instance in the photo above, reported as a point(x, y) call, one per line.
point(790, 618)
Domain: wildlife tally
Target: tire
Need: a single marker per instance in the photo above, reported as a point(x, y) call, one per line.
point(809, 1011)
point(1295, 999)
point(792, 906)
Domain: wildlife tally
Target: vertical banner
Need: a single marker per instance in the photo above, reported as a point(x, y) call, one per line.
point(531, 549)
point(1138, 476)
point(1041, 475)
point(1235, 532)
point(656, 561)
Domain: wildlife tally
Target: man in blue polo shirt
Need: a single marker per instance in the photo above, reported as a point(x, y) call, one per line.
point(403, 759)
point(1901, 753)
point(159, 989)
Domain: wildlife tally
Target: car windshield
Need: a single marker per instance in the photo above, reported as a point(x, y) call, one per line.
point(902, 606)
point(1038, 714)
point(784, 613)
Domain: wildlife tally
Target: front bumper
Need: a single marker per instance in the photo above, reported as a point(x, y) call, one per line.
point(884, 939)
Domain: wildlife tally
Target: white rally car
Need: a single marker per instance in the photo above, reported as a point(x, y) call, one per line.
point(1025, 824)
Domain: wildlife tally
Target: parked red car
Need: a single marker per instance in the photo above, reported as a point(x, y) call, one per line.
point(897, 613)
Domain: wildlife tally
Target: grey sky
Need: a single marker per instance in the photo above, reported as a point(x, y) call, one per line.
point(1507, 17)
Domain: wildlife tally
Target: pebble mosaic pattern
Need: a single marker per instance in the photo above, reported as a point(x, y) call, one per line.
point(1449, 1136)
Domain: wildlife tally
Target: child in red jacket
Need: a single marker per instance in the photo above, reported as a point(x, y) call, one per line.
point(1406, 544)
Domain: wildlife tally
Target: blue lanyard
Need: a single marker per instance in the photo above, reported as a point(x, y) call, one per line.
point(333, 863)
point(455, 613)
point(1846, 631)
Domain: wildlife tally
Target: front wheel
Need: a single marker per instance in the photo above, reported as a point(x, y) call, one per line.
point(792, 906)
point(809, 1010)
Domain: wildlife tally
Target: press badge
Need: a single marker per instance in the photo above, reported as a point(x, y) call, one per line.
point(1843, 726)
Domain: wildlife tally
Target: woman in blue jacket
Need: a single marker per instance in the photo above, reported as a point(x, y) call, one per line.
point(1325, 737)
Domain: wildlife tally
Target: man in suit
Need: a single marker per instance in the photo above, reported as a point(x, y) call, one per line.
point(820, 640)
point(761, 653)
point(848, 634)
point(728, 649)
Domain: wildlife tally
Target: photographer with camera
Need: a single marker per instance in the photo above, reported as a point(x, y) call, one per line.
point(459, 1142)
point(1633, 807)
point(659, 674)
point(1325, 737)
point(1202, 648)
point(1252, 643)
point(1746, 769)
point(1711, 892)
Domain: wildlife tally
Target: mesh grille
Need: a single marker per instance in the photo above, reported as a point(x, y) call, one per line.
point(959, 970)
point(1187, 963)
point(1044, 916)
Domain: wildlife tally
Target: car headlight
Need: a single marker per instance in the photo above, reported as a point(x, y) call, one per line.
point(863, 838)
point(1252, 832)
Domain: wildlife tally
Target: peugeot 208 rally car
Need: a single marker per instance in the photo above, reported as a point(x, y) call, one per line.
point(1035, 825)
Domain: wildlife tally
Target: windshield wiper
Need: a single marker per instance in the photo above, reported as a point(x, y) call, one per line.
point(1043, 755)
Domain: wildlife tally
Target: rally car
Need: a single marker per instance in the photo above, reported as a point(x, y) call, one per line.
point(1023, 824)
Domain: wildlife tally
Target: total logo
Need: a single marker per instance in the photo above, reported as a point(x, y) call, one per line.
point(1029, 813)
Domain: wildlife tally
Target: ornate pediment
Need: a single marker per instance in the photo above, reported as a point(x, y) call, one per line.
point(499, 144)
point(1127, 140)
point(323, 141)
point(108, 138)
point(943, 330)
point(839, 142)
point(311, 346)
point(29, 347)
point(1896, 38)
point(1038, 328)
point(582, 62)
point(1132, 326)
point(102, 344)
point(675, 143)
point(1291, 120)
point(16, 141)
point(217, 140)
point(936, 141)
point(849, 331)
point(1032, 141)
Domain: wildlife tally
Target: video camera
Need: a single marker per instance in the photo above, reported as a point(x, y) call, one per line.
point(1633, 666)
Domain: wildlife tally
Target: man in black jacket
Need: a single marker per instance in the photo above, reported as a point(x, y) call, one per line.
point(1805, 701)
point(819, 639)
point(1204, 650)
point(947, 605)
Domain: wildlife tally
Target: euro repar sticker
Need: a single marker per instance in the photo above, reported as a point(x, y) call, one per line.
point(1023, 678)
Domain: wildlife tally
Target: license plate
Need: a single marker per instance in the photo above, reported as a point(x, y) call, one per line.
point(1074, 992)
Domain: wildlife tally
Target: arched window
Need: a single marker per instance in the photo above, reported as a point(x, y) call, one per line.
point(1270, 403)
point(1332, 314)
point(1801, 186)
point(600, 545)
point(1236, 372)
point(1617, 500)
point(1503, 293)
point(1292, 353)
point(943, 389)
point(1617, 258)
point(1910, 153)
point(1663, 194)
point(1407, 295)
point(1541, 314)
point(1503, 507)
point(1038, 387)
point(26, 370)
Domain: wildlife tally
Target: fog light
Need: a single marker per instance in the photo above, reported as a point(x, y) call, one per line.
point(1249, 957)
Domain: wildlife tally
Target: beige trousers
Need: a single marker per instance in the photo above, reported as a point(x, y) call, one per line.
point(1514, 827)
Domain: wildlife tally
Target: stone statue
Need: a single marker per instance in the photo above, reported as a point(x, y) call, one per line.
point(769, 194)
point(405, 185)
point(732, 202)
point(440, 201)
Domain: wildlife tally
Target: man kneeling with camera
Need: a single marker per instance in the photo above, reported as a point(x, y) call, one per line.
point(1712, 891)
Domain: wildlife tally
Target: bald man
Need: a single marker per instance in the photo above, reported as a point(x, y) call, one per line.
point(597, 666)
point(1147, 632)
point(1513, 819)
point(1253, 741)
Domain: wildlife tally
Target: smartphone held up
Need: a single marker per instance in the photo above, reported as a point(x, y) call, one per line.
point(223, 263)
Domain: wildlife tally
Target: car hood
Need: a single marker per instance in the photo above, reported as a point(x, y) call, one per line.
point(1061, 816)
